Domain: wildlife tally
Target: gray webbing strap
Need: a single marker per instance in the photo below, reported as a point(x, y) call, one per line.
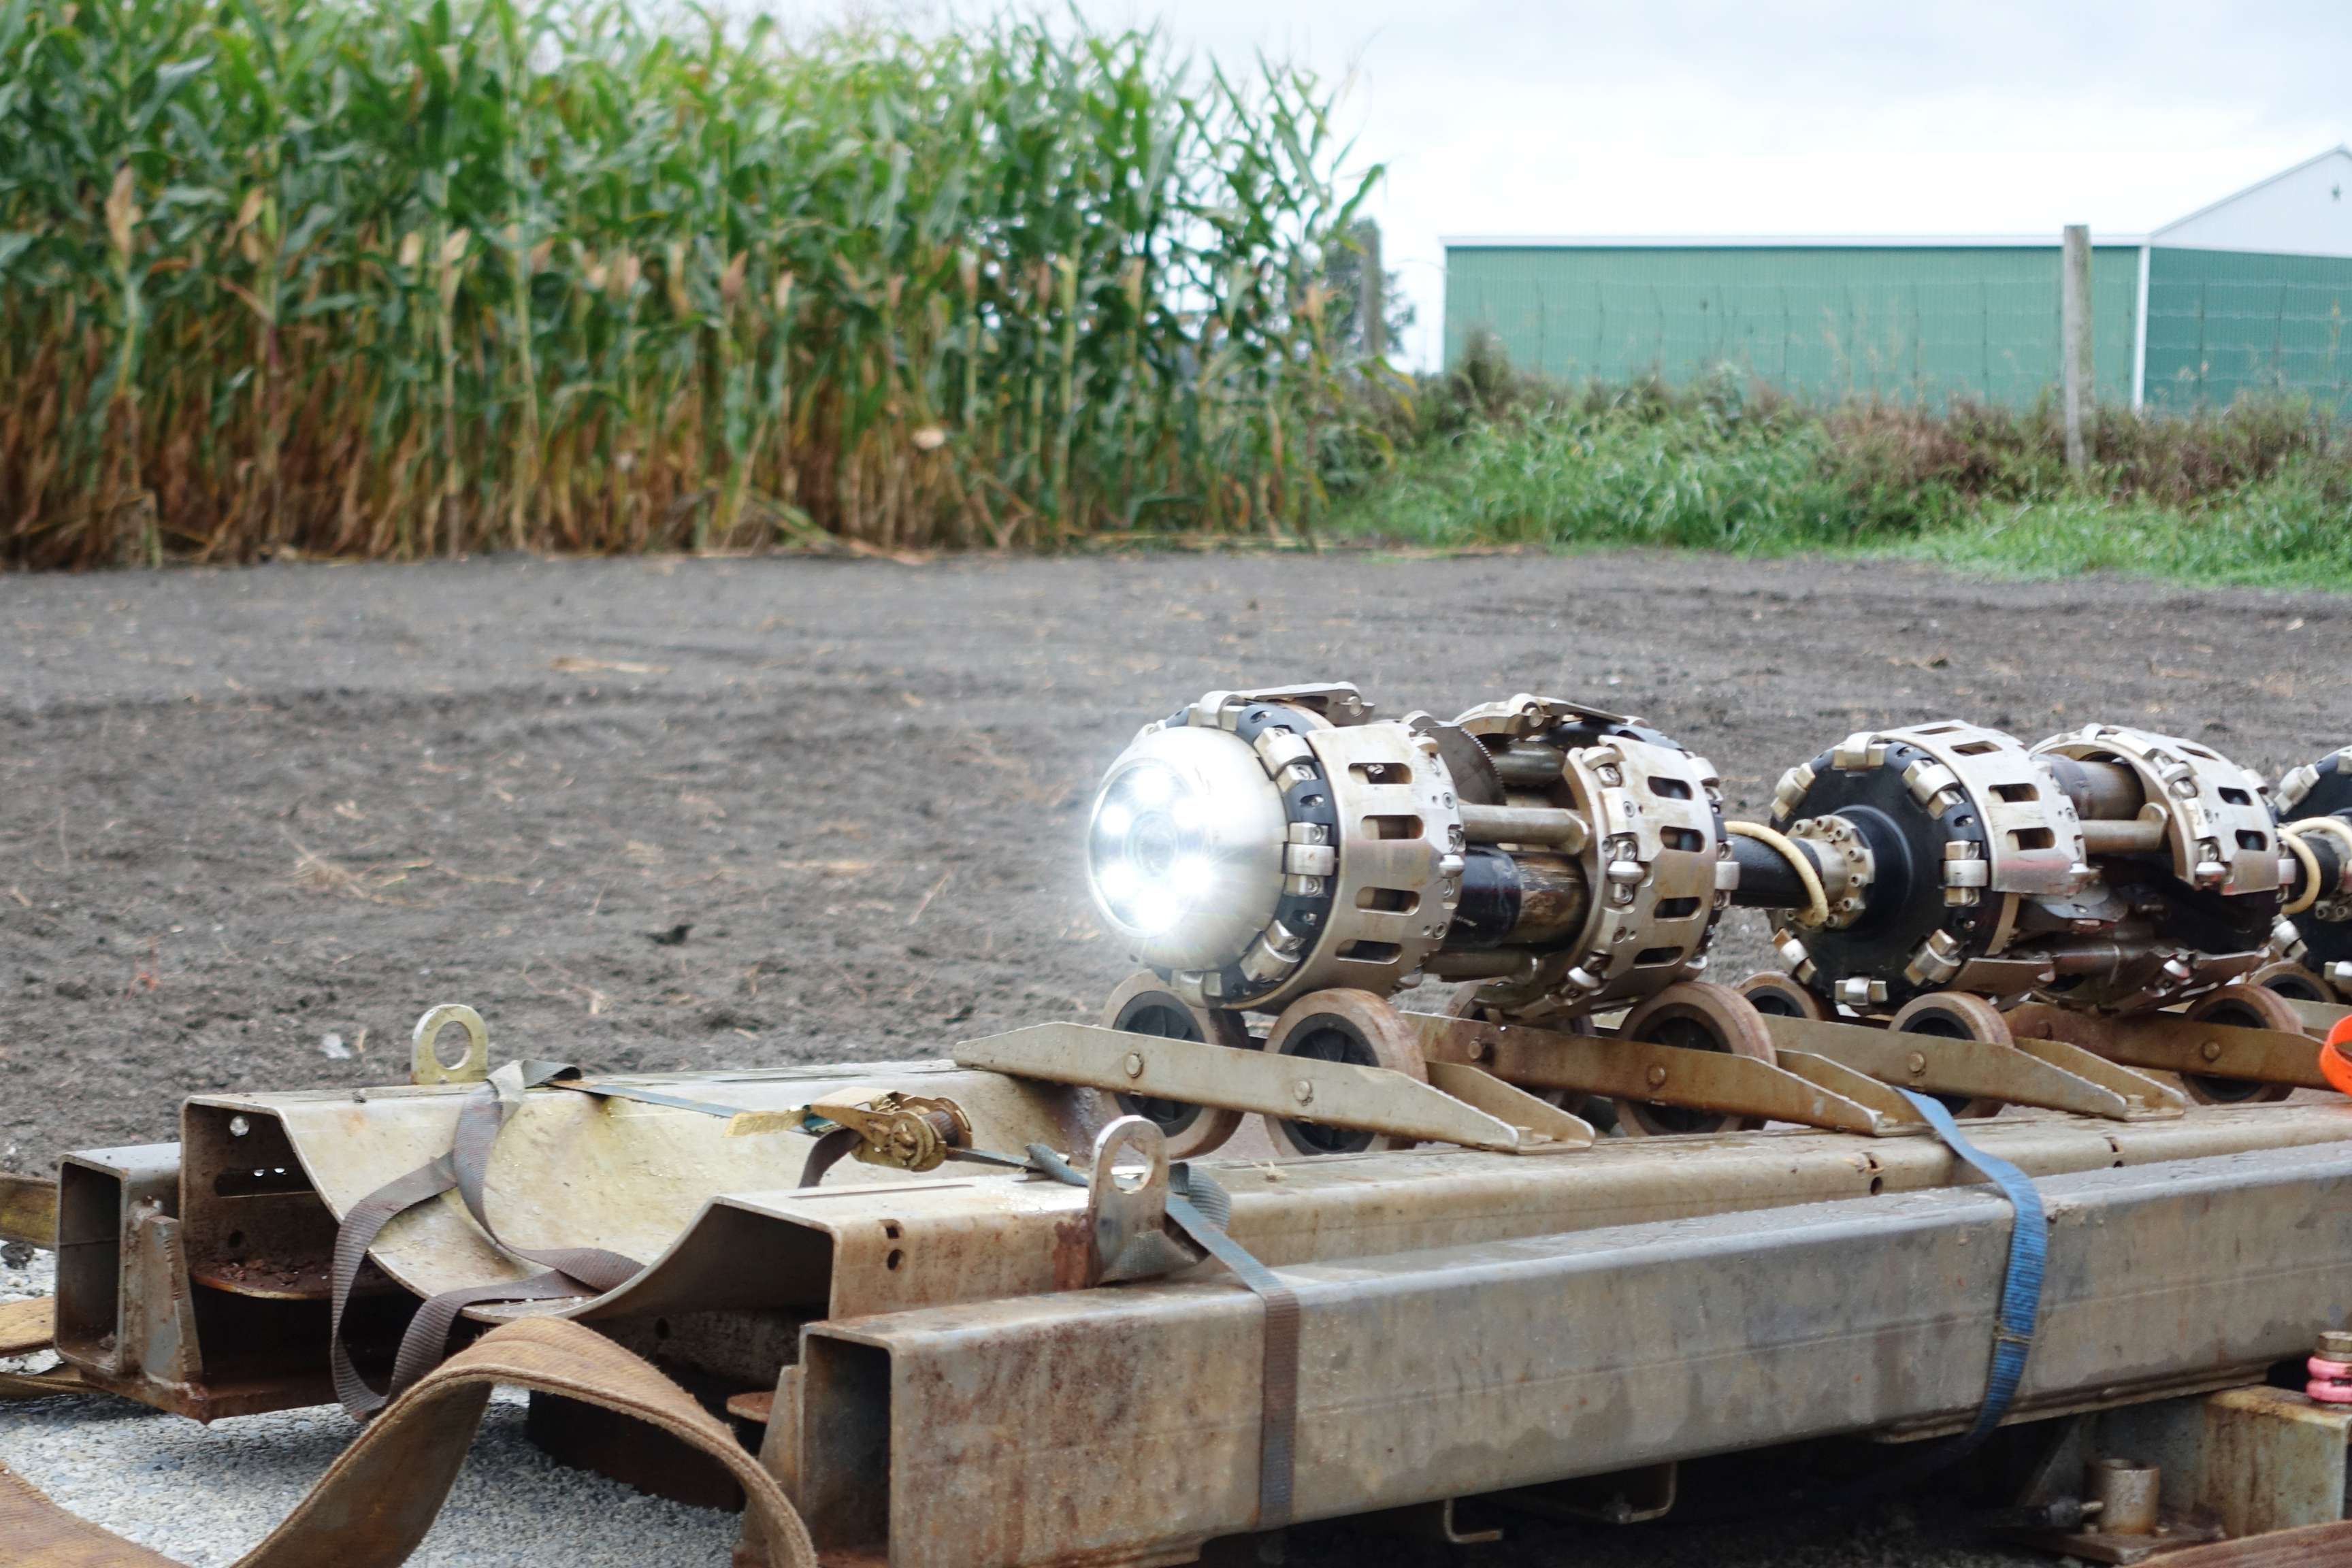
point(1278, 1387)
point(1190, 1193)
point(571, 1271)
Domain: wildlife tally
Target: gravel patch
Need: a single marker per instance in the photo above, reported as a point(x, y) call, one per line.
point(206, 1495)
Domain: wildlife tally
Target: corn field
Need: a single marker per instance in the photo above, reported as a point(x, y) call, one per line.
point(393, 279)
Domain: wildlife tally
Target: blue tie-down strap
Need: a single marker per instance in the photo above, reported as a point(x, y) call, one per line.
point(2021, 1289)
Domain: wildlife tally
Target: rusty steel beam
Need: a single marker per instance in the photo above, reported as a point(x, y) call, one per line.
point(724, 1230)
point(1043, 1429)
point(877, 1248)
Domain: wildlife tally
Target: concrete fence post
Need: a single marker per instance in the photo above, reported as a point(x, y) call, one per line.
point(2074, 343)
point(1371, 307)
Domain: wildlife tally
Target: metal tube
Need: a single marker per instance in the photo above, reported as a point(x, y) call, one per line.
point(2126, 1493)
point(1511, 901)
point(1524, 766)
point(2125, 836)
point(1554, 897)
point(1543, 824)
point(1767, 880)
point(1444, 1373)
point(2100, 791)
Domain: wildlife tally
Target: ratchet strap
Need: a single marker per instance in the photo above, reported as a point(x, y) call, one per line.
point(2021, 1286)
point(381, 1494)
point(1200, 1209)
point(570, 1272)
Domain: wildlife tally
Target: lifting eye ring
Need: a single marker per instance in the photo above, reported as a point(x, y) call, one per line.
point(425, 1063)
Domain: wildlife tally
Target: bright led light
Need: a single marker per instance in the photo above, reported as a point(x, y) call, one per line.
point(1184, 847)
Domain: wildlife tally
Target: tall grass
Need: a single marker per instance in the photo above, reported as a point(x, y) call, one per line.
point(393, 278)
point(2261, 493)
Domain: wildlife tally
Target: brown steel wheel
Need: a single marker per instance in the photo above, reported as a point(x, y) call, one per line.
point(1956, 1016)
point(2240, 1006)
point(1144, 1005)
point(2294, 982)
point(1342, 1026)
point(1593, 1108)
point(1782, 996)
point(1697, 1015)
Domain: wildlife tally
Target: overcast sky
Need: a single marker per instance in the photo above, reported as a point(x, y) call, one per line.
point(1837, 116)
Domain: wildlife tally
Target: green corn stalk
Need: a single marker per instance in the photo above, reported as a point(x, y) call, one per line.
point(1052, 241)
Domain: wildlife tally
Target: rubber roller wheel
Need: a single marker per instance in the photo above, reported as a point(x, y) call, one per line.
point(1342, 1026)
point(2241, 1006)
point(1597, 1109)
point(1956, 1016)
point(1144, 1005)
point(1696, 1015)
point(2294, 982)
point(1781, 996)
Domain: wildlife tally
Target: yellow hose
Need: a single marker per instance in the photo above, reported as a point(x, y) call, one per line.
point(2292, 835)
point(1818, 914)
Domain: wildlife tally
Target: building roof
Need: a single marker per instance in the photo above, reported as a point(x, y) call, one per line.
point(2301, 211)
point(2305, 210)
point(1771, 241)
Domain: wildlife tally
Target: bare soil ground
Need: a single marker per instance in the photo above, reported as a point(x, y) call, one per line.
point(660, 813)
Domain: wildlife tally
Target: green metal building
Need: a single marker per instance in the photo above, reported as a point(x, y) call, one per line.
point(2248, 295)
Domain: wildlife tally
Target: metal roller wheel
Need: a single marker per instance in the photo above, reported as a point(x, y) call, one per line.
point(1781, 996)
point(1698, 1015)
point(2294, 982)
point(1342, 1026)
point(1144, 1005)
point(1595, 1108)
point(1957, 1016)
point(2241, 1006)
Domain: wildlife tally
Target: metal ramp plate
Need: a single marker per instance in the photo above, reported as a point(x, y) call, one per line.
point(1937, 1064)
point(1336, 1094)
point(1636, 1069)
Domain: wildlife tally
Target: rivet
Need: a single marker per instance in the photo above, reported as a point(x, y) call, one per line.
point(1916, 1063)
point(1134, 1064)
point(1302, 1091)
point(1657, 1077)
point(2210, 1050)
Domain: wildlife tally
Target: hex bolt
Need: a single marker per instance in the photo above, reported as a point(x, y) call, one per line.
point(2334, 1344)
